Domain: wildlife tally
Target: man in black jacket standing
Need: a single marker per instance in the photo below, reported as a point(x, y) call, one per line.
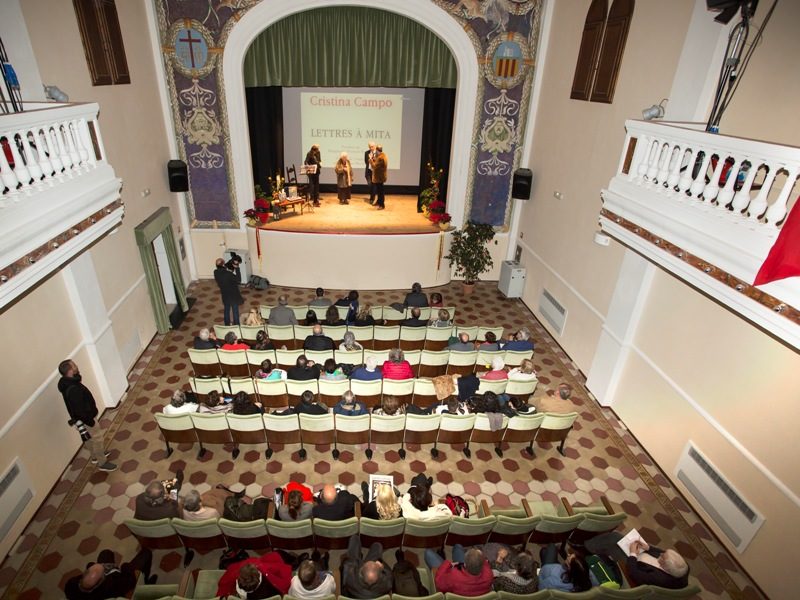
point(228, 284)
point(83, 411)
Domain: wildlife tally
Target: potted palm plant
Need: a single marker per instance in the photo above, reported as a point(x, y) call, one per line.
point(469, 252)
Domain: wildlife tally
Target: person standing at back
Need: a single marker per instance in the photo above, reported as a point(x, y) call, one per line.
point(228, 284)
point(314, 158)
point(380, 168)
point(83, 412)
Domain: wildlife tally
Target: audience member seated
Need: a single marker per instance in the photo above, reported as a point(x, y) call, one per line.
point(390, 405)
point(436, 300)
point(282, 314)
point(320, 299)
point(385, 505)
point(310, 583)
point(364, 316)
point(416, 297)
point(334, 505)
point(105, 579)
point(397, 367)
point(309, 404)
point(521, 578)
point(332, 317)
point(318, 340)
point(263, 342)
point(305, 491)
point(303, 370)
point(572, 576)
point(498, 372)
point(369, 372)
point(348, 406)
point(453, 406)
point(210, 505)
point(500, 556)
point(253, 319)
point(294, 508)
point(650, 565)
point(159, 501)
point(214, 402)
point(442, 319)
point(519, 341)
point(269, 372)
point(462, 345)
point(468, 574)
point(405, 578)
point(256, 578)
point(416, 504)
point(414, 320)
point(206, 340)
point(524, 372)
point(179, 405)
point(331, 371)
point(521, 406)
point(349, 343)
point(232, 343)
point(553, 403)
point(351, 302)
point(490, 345)
point(365, 577)
point(311, 318)
point(242, 404)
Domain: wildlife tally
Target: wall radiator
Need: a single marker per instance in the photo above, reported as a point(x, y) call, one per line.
point(552, 311)
point(733, 514)
point(16, 492)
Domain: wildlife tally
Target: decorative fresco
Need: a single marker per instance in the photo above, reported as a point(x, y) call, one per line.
point(504, 34)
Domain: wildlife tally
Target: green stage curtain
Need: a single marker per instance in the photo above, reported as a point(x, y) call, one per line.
point(348, 46)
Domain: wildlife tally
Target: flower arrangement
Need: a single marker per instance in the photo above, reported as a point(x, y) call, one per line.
point(276, 186)
point(431, 193)
point(438, 213)
point(262, 206)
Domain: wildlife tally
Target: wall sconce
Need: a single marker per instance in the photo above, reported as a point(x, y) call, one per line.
point(654, 112)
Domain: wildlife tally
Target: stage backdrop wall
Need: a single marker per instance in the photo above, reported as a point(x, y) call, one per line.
point(193, 34)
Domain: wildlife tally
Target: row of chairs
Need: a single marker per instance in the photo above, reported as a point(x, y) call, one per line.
point(424, 363)
point(380, 313)
point(278, 393)
point(533, 522)
point(373, 337)
point(334, 430)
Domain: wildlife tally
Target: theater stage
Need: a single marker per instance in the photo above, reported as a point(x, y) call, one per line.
point(358, 217)
point(353, 246)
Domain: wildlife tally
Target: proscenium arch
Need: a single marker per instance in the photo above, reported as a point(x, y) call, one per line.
point(424, 12)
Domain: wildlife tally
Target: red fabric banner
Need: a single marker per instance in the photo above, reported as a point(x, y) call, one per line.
point(783, 259)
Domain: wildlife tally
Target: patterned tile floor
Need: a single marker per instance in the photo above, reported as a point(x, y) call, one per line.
point(85, 510)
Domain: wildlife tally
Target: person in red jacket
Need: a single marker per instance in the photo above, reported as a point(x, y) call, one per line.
point(468, 574)
point(397, 367)
point(256, 578)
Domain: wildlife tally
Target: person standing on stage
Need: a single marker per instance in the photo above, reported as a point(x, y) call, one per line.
point(380, 166)
point(314, 158)
point(344, 178)
point(368, 156)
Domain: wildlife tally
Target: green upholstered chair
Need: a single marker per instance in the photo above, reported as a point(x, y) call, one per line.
point(555, 427)
point(250, 535)
point(540, 595)
point(523, 429)
point(205, 363)
point(388, 532)
point(155, 535)
point(334, 535)
point(281, 429)
point(422, 429)
point(659, 593)
point(202, 536)
point(473, 531)
point(177, 429)
point(597, 519)
point(290, 535)
point(426, 534)
point(454, 429)
point(352, 431)
point(211, 429)
point(489, 596)
point(513, 526)
point(246, 429)
point(482, 432)
point(317, 430)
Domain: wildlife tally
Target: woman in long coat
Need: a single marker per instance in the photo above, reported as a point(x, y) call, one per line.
point(344, 178)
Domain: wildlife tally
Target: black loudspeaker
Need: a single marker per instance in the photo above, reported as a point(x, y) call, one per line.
point(521, 188)
point(178, 176)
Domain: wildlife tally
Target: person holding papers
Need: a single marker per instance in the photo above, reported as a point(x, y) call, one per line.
point(314, 158)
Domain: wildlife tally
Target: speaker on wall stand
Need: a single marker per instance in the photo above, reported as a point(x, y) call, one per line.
point(521, 184)
point(178, 175)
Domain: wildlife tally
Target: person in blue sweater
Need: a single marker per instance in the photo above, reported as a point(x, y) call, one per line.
point(348, 406)
point(571, 576)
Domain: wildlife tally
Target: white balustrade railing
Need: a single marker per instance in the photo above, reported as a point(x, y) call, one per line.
point(41, 148)
point(749, 179)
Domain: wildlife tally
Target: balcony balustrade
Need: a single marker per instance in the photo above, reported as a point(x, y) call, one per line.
point(708, 208)
point(58, 193)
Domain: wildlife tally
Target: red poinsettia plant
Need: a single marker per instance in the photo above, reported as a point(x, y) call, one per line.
point(438, 212)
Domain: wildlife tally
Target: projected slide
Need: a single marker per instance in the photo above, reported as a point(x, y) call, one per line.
point(347, 119)
point(347, 122)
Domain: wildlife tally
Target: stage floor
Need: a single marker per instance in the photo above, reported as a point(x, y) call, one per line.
point(400, 216)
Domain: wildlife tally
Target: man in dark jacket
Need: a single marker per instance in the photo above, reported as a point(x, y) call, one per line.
point(318, 340)
point(83, 411)
point(365, 577)
point(303, 370)
point(414, 320)
point(314, 158)
point(228, 284)
point(368, 156)
point(416, 297)
point(335, 505)
point(106, 579)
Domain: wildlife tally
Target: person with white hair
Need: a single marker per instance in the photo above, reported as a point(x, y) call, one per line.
point(348, 406)
point(498, 371)
point(344, 178)
point(520, 341)
point(282, 314)
point(369, 372)
point(205, 340)
point(179, 405)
